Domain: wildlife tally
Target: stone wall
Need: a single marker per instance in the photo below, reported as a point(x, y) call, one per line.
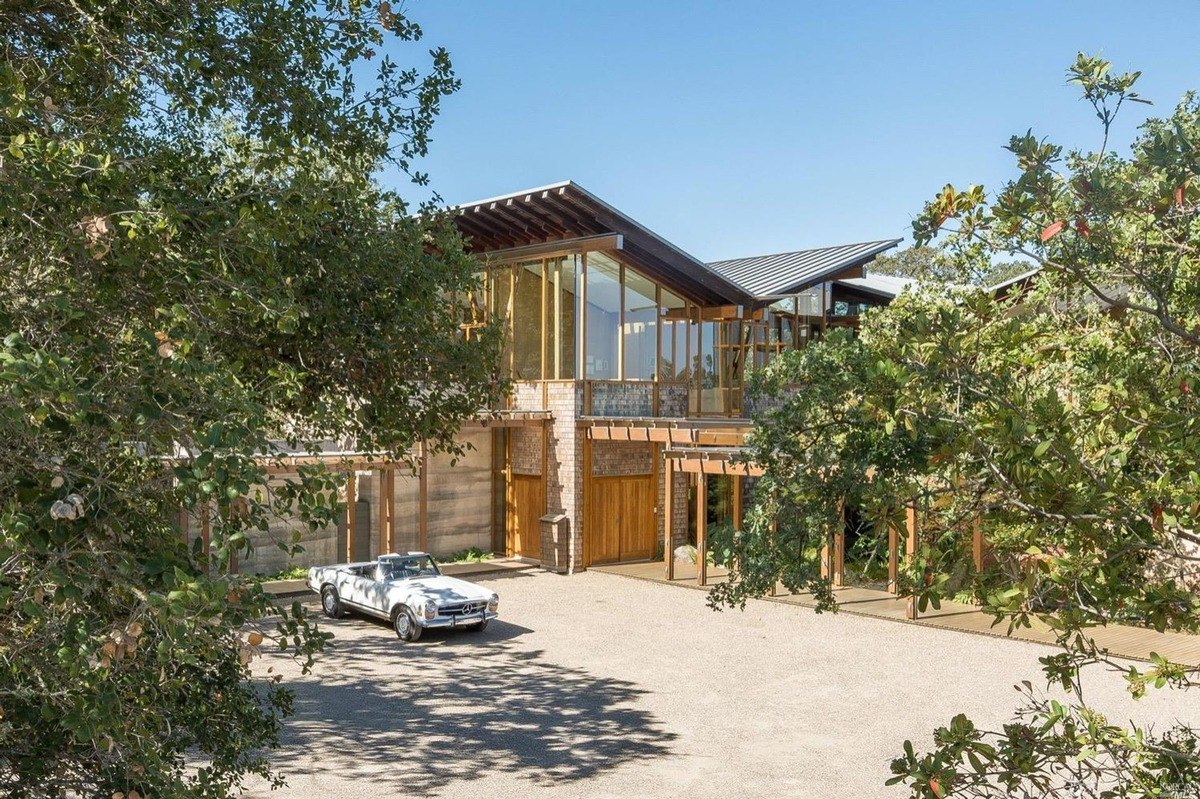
point(622, 458)
point(622, 399)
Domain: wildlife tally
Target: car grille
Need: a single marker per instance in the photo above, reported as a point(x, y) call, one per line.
point(463, 608)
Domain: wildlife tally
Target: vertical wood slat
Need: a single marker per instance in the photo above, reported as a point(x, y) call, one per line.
point(351, 511)
point(669, 521)
point(911, 544)
point(701, 528)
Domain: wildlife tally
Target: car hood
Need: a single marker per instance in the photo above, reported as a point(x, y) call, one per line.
point(445, 589)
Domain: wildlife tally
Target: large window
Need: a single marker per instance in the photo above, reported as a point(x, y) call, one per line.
point(603, 318)
point(527, 321)
point(561, 301)
point(673, 363)
point(640, 327)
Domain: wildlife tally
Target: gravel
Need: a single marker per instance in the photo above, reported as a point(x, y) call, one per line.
point(596, 685)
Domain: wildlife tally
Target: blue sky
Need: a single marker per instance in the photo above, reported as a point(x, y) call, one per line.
point(737, 129)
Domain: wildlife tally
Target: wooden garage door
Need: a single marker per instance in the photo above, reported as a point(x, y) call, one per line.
point(526, 506)
point(620, 519)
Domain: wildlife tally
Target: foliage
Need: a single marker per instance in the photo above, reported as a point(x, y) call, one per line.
point(198, 273)
point(469, 555)
point(1063, 416)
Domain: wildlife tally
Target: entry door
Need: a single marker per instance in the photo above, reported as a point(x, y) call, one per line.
point(526, 506)
point(621, 519)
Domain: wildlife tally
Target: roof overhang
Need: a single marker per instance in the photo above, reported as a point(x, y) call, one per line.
point(563, 214)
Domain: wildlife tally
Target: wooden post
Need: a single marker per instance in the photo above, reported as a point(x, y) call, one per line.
point(701, 528)
point(351, 508)
point(977, 543)
point(774, 590)
point(423, 500)
point(911, 543)
point(669, 521)
point(382, 515)
point(893, 555)
point(205, 532)
point(183, 525)
point(389, 504)
point(839, 546)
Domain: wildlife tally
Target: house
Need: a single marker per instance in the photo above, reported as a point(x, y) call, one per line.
point(629, 358)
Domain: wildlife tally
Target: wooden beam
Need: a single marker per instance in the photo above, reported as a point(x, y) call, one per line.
point(701, 529)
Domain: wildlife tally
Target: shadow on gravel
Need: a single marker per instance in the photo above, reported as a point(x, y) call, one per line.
point(458, 706)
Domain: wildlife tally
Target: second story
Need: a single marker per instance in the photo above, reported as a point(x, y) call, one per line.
point(590, 297)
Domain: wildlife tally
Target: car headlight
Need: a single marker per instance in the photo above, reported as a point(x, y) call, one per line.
point(494, 603)
point(431, 609)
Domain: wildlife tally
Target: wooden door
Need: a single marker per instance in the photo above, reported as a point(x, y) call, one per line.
point(526, 506)
point(620, 519)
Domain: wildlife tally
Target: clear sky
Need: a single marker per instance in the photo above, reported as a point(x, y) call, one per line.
point(743, 128)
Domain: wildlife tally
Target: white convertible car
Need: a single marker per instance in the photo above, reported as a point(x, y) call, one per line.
point(407, 590)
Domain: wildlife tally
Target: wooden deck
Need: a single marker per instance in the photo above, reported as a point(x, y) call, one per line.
point(1134, 643)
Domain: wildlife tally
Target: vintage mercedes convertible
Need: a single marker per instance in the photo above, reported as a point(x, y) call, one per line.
point(407, 590)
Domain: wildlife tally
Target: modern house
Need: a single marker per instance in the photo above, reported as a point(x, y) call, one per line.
point(629, 359)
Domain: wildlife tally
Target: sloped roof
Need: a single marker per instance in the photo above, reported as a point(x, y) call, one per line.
point(888, 286)
point(563, 210)
point(787, 272)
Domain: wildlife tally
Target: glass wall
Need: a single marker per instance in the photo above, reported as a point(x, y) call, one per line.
point(673, 362)
point(640, 328)
point(527, 321)
point(591, 316)
point(603, 318)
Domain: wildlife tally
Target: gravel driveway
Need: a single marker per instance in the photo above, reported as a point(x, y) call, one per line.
point(597, 685)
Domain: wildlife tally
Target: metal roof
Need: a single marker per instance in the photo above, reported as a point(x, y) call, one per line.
point(787, 272)
point(888, 286)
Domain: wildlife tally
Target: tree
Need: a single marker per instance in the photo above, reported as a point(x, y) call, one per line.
point(1065, 419)
point(197, 265)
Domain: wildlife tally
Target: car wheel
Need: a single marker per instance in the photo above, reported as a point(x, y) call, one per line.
point(406, 625)
point(331, 603)
point(478, 628)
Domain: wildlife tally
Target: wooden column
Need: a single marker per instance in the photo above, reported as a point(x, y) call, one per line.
point(893, 555)
point(351, 508)
point(977, 543)
point(911, 544)
point(205, 532)
point(774, 589)
point(839, 546)
point(701, 528)
point(423, 500)
point(381, 511)
point(389, 507)
point(669, 521)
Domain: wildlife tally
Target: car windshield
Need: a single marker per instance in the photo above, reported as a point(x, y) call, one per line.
point(405, 566)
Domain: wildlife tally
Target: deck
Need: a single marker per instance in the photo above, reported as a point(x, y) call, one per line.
point(1135, 643)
